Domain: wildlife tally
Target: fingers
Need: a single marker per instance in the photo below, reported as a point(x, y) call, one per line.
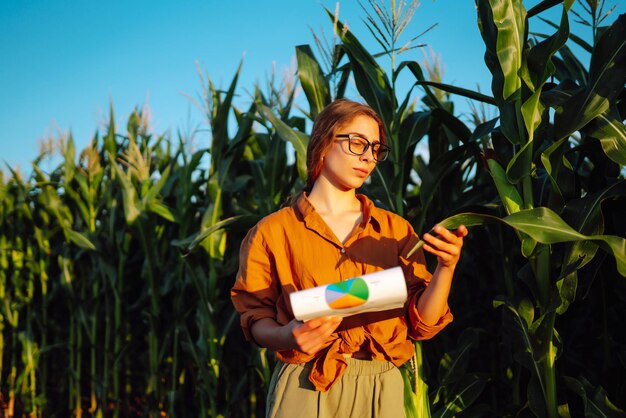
point(446, 245)
point(320, 325)
point(448, 235)
point(462, 231)
point(311, 336)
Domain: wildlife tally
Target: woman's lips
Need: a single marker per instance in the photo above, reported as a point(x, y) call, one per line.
point(361, 172)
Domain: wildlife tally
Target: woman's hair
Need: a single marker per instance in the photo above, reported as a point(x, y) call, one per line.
point(339, 112)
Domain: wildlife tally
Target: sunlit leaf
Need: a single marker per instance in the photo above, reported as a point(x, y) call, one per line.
point(532, 110)
point(520, 165)
point(509, 18)
point(511, 199)
point(462, 395)
point(371, 80)
point(470, 94)
point(544, 226)
point(190, 243)
point(607, 76)
point(81, 240)
point(162, 210)
point(509, 109)
point(298, 139)
point(155, 189)
point(312, 79)
point(132, 210)
point(418, 73)
point(611, 132)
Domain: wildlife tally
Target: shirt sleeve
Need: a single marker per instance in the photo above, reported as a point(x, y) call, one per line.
point(255, 291)
point(418, 278)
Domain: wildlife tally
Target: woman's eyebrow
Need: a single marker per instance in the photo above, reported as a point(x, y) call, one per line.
point(364, 137)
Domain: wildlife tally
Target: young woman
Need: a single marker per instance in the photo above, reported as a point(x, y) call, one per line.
point(332, 366)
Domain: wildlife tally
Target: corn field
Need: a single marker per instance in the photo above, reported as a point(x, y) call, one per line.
point(116, 264)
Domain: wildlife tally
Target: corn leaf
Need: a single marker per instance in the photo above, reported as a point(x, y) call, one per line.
point(509, 17)
point(312, 79)
point(532, 110)
point(463, 394)
point(522, 323)
point(577, 39)
point(413, 128)
point(538, 65)
point(371, 80)
point(607, 76)
point(418, 73)
point(595, 399)
point(454, 124)
point(510, 197)
point(543, 6)
point(520, 164)
point(585, 215)
point(298, 139)
point(81, 240)
point(416, 403)
point(544, 226)
point(155, 189)
point(191, 242)
point(132, 208)
point(470, 94)
point(509, 109)
point(219, 119)
point(454, 363)
point(611, 132)
point(162, 210)
point(569, 67)
point(550, 158)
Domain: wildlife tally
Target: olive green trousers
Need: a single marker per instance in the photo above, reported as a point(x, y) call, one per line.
point(368, 388)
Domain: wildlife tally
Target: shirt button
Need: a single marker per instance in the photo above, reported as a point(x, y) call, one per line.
point(343, 251)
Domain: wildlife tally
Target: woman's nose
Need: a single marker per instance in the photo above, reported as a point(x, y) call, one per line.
point(368, 155)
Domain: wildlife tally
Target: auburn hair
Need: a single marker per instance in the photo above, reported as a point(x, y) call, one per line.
point(337, 113)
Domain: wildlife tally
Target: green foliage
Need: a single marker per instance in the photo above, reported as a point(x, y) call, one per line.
point(116, 266)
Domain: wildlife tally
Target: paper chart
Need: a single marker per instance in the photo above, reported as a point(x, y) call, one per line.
point(378, 291)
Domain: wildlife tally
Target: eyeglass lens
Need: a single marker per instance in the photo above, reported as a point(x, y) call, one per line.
point(360, 145)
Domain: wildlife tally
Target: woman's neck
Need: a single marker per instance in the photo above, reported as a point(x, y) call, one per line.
point(339, 209)
point(328, 199)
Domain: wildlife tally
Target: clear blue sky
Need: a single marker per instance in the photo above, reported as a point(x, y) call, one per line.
point(62, 62)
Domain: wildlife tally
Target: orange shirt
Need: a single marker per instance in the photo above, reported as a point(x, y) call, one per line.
point(293, 249)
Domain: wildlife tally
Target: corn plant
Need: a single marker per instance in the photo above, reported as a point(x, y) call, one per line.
point(539, 181)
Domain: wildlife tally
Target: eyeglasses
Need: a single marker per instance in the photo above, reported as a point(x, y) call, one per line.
point(359, 146)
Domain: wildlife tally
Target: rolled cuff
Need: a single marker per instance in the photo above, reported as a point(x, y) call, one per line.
point(418, 329)
point(248, 319)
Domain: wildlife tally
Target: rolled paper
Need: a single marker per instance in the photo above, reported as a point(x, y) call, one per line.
point(372, 292)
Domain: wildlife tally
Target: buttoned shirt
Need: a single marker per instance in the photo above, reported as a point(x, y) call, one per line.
point(294, 249)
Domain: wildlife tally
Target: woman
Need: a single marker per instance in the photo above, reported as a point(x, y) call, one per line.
point(332, 366)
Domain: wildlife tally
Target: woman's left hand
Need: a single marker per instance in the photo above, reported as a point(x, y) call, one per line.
point(446, 245)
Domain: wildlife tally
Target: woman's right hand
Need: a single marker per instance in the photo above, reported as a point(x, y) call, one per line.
point(309, 337)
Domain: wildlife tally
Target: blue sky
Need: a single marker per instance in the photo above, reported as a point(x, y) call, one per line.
point(64, 62)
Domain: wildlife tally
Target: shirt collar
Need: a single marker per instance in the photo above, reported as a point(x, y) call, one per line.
point(304, 206)
point(370, 211)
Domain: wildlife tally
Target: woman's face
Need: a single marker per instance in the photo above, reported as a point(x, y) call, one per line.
point(341, 167)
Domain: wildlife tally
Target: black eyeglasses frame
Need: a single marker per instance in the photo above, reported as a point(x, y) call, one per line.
point(376, 146)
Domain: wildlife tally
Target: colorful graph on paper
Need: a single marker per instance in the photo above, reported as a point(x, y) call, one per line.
point(348, 294)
